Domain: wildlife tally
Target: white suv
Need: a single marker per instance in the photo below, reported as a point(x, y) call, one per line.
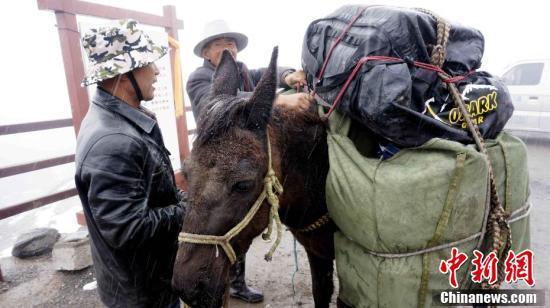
point(529, 86)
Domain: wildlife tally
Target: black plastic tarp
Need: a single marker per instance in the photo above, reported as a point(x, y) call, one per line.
point(398, 101)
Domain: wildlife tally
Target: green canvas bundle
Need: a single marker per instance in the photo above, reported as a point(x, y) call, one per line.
point(399, 217)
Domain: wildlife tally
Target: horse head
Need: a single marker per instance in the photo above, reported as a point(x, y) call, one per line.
point(225, 174)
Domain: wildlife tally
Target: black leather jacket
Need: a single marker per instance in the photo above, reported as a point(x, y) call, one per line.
point(200, 81)
point(132, 207)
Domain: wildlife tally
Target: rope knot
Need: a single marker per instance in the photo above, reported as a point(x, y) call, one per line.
point(438, 55)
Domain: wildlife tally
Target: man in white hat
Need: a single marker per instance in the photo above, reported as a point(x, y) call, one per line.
point(123, 174)
point(217, 37)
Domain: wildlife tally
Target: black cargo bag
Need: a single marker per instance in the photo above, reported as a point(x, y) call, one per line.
point(397, 100)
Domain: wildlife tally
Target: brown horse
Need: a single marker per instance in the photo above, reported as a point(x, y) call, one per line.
point(226, 173)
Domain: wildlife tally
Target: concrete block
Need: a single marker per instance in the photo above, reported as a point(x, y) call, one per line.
point(72, 252)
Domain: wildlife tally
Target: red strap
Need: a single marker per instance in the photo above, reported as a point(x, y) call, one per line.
point(350, 24)
point(426, 66)
point(346, 85)
point(363, 60)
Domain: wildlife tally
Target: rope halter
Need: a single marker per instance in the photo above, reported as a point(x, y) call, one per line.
point(272, 188)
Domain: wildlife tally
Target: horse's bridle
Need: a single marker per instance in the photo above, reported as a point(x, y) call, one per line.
point(272, 188)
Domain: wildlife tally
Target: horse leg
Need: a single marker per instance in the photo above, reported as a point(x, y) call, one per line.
point(321, 276)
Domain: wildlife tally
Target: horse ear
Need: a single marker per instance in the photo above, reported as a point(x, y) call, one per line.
point(261, 102)
point(226, 77)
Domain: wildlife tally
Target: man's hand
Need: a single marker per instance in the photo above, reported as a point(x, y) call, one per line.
point(298, 102)
point(295, 79)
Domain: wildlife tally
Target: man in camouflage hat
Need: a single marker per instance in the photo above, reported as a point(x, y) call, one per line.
point(123, 174)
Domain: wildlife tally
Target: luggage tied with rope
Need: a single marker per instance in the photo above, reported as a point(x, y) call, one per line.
point(350, 167)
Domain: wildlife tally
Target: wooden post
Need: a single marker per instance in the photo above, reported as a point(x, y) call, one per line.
point(181, 121)
point(69, 38)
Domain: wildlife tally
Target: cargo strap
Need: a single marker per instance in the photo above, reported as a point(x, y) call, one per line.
point(444, 77)
point(441, 225)
point(336, 42)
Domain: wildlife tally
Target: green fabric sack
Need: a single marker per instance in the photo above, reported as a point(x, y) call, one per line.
point(432, 195)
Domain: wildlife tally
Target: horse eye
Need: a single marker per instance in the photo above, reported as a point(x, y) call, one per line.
point(243, 186)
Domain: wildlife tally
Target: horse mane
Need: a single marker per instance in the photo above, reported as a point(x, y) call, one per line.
point(296, 125)
point(302, 135)
point(222, 112)
point(218, 115)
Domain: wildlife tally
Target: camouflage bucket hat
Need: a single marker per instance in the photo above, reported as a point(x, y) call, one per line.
point(117, 50)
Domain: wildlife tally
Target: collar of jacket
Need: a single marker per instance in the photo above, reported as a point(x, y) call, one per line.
point(108, 101)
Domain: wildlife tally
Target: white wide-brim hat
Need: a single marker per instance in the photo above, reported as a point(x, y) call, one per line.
point(219, 29)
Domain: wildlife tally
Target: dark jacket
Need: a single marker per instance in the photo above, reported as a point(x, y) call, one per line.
point(132, 207)
point(200, 82)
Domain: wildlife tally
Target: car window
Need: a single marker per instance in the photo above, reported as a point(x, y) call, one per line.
point(527, 74)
